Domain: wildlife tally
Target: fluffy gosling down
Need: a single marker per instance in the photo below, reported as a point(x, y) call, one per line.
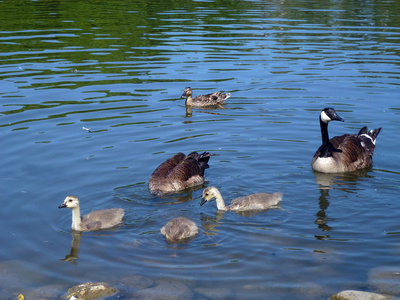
point(179, 229)
point(345, 153)
point(253, 202)
point(96, 220)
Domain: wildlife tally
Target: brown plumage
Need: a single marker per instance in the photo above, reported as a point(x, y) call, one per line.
point(216, 98)
point(178, 173)
point(178, 229)
point(345, 153)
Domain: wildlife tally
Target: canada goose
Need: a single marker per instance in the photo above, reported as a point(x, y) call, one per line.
point(345, 153)
point(259, 201)
point(96, 220)
point(178, 229)
point(178, 173)
point(216, 98)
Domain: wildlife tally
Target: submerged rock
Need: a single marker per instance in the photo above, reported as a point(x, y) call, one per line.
point(358, 295)
point(385, 279)
point(91, 290)
point(165, 290)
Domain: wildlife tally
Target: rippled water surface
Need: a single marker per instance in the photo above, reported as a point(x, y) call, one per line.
point(119, 68)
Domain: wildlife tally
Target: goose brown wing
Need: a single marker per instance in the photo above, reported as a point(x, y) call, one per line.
point(193, 165)
point(169, 165)
point(352, 149)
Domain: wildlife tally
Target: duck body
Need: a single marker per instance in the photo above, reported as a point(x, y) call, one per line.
point(216, 98)
point(253, 202)
point(178, 229)
point(345, 153)
point(178, 173)
point(96, 220)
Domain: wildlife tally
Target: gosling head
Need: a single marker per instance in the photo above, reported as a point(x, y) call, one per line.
point(209, 193)
point(70, 202)
point(186, 92)
point(329, 114)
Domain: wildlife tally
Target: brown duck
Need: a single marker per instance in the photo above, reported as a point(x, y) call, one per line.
point(216, 98)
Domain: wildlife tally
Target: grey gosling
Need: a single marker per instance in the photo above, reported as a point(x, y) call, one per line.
point(178, 173)
point(253, 202)
point(345, 153)
point(216, 98)
point(96, 220)
point(178, 229)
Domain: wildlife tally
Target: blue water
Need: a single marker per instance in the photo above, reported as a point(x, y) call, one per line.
point(120, 69)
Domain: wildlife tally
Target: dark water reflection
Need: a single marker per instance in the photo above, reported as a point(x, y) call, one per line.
point(119, 68)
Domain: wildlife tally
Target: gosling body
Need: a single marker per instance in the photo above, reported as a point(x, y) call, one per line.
point(345, 153)
point(253, 202)
point(178, 173)
point(96, 220)
point(179, 229)
point(216, 98)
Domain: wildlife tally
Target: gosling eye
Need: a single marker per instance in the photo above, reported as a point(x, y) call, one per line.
point(70, 200)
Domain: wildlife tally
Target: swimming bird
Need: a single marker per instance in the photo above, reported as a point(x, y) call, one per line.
point(96, 220)
point(345, 153)
point(216, 98)
point(253, 202)
point(178, 173)
point(178, 229)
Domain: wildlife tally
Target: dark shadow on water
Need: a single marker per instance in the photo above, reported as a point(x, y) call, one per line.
point(340, 181)
point(76, 241)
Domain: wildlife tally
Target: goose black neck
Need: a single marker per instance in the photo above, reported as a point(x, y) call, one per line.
point(326, 147)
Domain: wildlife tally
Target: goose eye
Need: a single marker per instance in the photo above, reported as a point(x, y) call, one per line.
point(70, 200)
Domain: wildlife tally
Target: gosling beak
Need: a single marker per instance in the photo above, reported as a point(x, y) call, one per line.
point(203, 200)
point(62, 205)
point(183, 95)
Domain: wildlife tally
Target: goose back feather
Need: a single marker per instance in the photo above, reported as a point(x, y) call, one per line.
point(216, 98)
point(345, 153)
point(96, 220)
point(178, 173)
point(179, 229)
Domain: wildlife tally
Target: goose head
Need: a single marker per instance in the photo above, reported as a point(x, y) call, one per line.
point(209, 193)
point(329, 114)
point(70, 202)
point(187, 92)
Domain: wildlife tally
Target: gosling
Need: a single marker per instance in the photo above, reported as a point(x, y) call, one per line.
point(179, 229)
point(96, 220)
point(253, 202)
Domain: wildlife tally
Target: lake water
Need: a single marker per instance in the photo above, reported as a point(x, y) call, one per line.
point(119, 68)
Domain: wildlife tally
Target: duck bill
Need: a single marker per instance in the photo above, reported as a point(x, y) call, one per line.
point(202, 201)
point(183, 95)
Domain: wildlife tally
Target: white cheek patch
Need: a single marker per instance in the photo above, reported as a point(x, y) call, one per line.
point(324, 117)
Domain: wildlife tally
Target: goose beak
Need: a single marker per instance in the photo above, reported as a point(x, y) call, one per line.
point(62, 205)
point(337, 118)
point(203, 200)
point(183, 95)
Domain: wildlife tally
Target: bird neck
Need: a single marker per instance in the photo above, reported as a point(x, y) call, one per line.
point(76, 219)
point(326, 148)
point(189, 100)
point(220, 201)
